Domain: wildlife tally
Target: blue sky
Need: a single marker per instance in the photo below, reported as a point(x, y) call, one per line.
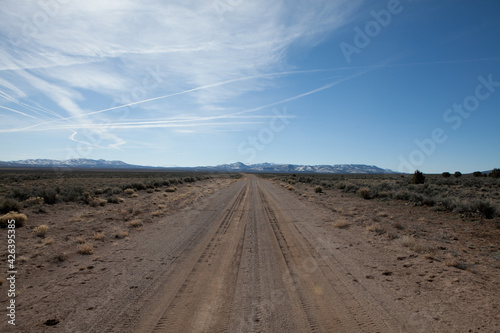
point(397, 84)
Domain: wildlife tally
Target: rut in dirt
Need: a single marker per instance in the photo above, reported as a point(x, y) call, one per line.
point(251, 268)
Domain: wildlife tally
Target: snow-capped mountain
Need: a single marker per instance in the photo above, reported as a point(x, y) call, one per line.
point(293, 168)
point(71, 163)
point(83, 163)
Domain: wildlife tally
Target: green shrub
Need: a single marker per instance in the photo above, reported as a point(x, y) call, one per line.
point(457, 174)
point(449, 203)
point(477, 173)
point(318, 189)
point(351, 188)
point(71, 194)
point(21, 193)
point(418, 178)
point(189, 180)
point(428, 201)
point(139, 186)
point(50, 196)
point(486, 209)
point(9, 205)
point(113, 200)
point(402, 195)
point(446, 174)
point(495, 173)
point(116, 190)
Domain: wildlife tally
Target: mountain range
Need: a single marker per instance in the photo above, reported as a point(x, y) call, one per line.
point(84, 163)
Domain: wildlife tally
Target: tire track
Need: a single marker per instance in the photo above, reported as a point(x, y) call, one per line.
point(309, 309)
point(204, 294)
point(350, 313)
point(141, 309)
point(252, 266)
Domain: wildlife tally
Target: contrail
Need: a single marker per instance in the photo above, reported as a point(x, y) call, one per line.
point(149, 125)
point(29, 107)
point(179, 93)
point(171, 123)
point(19, 112)
point(72, 138)
point(193, 119)
point(307, 93)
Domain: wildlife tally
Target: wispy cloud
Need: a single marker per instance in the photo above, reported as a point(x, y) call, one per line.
point(193, 121)
point(88, 51)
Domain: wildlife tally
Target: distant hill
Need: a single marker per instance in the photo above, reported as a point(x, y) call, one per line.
point(293, 168)
point(84, 163)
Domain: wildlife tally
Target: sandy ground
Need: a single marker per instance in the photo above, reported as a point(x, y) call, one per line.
point(252, 256)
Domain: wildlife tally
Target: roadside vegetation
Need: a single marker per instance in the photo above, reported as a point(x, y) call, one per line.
point(36, 189)
point(474, 196)
point(77, 212)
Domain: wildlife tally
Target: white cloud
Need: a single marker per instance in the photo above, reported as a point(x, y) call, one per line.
point(109, 47)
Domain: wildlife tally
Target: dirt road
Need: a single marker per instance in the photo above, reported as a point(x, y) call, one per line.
point(249, 258)
point(248, 263)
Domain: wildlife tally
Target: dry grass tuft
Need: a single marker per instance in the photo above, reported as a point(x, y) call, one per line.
point(382, 214)
point(392, 236)
point(48, 241)
point(96, 202)
point(77, 218)
point(80, 240)
point(407, 241)
point(99, 235)
point(134, 224)
point(17, 217)
point(156, 213)
point(85, 248)
point(341, 224)
point(34, 201)
point(398, 225)
point(452, 262)
point(137, 211)
point(129, 191)
point(120, 233)
point(422, 248)
point(171, 189)
point(375, 227)
point(365, 193)
point(41, 230)
point(60, 257)
point(23, 259)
